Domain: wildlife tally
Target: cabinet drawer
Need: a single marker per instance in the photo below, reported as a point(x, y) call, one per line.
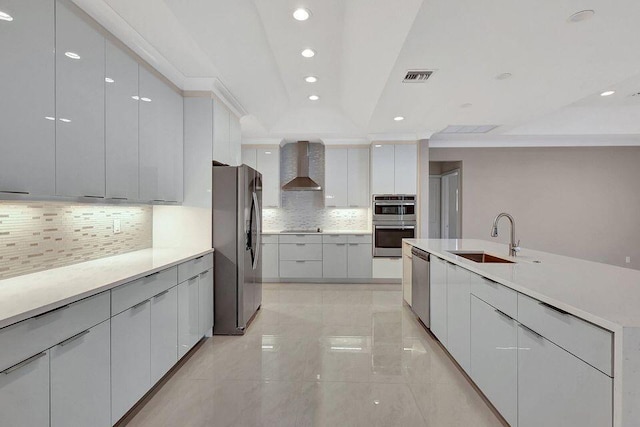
point(301, 252)
point(587, 341)
point(27, 338)
point(301, 269)
point(300, 238)
point(495, 294)
point(334, 238)
point(359, 238)
point(270, 238)
point(192, 268)
point(132, 293)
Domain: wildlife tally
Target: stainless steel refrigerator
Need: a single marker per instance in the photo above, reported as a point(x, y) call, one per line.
point(237, 202)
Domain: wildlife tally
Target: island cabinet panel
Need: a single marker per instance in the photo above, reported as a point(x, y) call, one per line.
point(438, 301)
point(164, 333)
point(407, 265)
point(495, 294)
point(81, 379)
point(27, 103)
point(557, 388)
point(458, 312)
point(494, 358)
point(24, 393)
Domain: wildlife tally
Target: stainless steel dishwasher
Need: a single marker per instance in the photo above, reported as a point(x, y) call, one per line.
point(420, 285)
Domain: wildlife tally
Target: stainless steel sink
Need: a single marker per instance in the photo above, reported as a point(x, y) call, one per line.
point(482, 257)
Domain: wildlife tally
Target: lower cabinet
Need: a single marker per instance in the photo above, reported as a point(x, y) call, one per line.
point(81, 379)
point(130, 358)
point(458, 312)
point(188, 316)
point(557, 388)
point(205, 303)
point(270, 261)
point(360, 261)
point(438, 300)
point(407, 260)
point(334, 260)
point(24, 393)
point(494, 359)
point(164, 333)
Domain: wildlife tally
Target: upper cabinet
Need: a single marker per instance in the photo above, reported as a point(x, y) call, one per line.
point(250, 157)
point(235, 141)
point(121, 124)
point(394, 169)
point(27, 103)
point(221, 133)
point(80, 87)
point(347, 177)
point(268, 164)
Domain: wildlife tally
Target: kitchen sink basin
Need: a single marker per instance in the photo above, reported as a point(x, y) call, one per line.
point(483, 257)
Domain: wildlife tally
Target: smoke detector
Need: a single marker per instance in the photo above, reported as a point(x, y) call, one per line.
point(417, 76)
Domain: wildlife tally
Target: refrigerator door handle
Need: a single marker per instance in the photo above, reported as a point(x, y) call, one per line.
point(258, 231)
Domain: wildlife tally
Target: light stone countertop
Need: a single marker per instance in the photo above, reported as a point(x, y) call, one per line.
point(603, 294)
point(322, 232)
point(26, 296)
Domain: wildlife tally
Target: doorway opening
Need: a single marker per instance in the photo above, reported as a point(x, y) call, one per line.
point(445, 200)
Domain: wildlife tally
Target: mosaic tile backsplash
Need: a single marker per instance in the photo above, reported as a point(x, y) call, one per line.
point(303, 210)
point(37, 236)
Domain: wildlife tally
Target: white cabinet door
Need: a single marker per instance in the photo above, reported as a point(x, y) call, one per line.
point(335, 177)
point(438, 300)
point(198, 140)
point(406, 168)
point(382, 169)
point(205, 303)
point(360, 261)
point(235, 139)
point(27, 100)
point(406, 277)
point(358, 179)
point(164, 333)
point(24, 393)
point(80, 86)
point(130, 358)
point(494, 358)
point(270, 261)
point(249, 157)
point(221, 133)
point(188, 317)
point(81, 379)
point(121, 124)
point(173, 150)
point(334, 260)
point(557, 388)
point(458, 308)
point(268, 161)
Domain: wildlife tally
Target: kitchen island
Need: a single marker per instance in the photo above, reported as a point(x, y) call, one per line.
point(545, 337)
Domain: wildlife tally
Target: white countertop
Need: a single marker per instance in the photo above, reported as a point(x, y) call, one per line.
point(26, 296)
point(322, 232)
point(603, 294)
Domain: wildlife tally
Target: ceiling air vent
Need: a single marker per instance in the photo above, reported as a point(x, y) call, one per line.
point(468, 128)
point(417, 76)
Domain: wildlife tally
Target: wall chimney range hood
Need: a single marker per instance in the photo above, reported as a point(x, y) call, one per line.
point(302, 182)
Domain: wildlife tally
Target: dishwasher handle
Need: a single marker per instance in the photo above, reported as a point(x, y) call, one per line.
point(420, 254)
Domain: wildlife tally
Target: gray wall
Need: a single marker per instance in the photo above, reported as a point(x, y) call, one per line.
point(582, 202)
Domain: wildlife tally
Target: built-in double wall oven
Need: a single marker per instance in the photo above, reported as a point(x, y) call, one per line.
point(394, 219)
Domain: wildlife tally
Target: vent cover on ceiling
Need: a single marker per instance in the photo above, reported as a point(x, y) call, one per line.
point(468, 128)
point(417, 76)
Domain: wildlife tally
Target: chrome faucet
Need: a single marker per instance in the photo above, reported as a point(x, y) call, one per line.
point(514, 247)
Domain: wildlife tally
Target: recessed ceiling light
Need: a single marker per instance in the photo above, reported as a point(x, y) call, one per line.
point(466, 105)
point(378, 145)
point(72, 55)
point(311, 79)
point(504, 76)
point(65, 120)
point(136, 97)
point(109, 80)
point(398, 118)
point(608, 93)
point(314, 97)
point(4, 16)
point(50, 118)
point(145, 99)
point(301, 14)
point(308, 53)
point(267, 152)
point(581, 16)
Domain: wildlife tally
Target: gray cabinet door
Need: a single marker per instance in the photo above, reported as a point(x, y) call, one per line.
point(360, 261)
point(188, 316)
point(164, 333)
point(438, 301)
point(24, 393)
point(81, 379)
point(130, 358)
point(458, 309)
point(270, 261)
point(27, 103)
point(205, 303)
point(334, 260)
point(80, 86)
point(121, 124)
point(555, 385)
point(494, 358)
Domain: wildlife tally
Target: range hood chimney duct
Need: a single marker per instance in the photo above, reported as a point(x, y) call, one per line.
point(302, 182)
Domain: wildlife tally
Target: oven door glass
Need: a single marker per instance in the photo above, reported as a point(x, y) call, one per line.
point(388, 239)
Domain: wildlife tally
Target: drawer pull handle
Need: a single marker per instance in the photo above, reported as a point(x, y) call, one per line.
point(340, 244)
point(119, 198)
point(300, 235)
point(359, 235)
point(51, 311)
point(73, 338)
point(299, 244)
point(24, 363)
point(192, 279)
point(199, 258)
point(93, 197)
point(353, 244)
point(14, 192)
point(526, 328)
point(162, 293)
point(301, 262)
point(151, 275)
point(550, 307)
point(140, 304)
point(503, 314)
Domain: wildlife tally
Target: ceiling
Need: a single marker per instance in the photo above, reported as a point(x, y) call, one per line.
point(251, 49)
